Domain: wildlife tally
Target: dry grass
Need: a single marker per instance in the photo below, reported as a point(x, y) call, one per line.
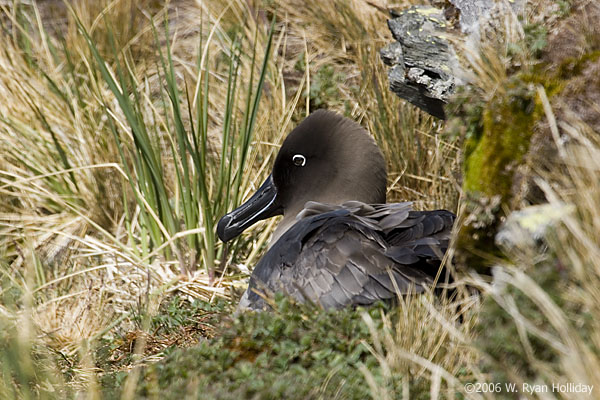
point(75, 258)
point(557, 318)
point(75, 254)
point(427, 350)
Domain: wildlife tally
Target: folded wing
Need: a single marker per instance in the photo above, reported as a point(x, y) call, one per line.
point(354, 254)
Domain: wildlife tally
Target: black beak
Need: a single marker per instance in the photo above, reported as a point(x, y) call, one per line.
point(262, 205)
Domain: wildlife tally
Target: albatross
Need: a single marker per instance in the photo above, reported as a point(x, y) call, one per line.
point(339, 243)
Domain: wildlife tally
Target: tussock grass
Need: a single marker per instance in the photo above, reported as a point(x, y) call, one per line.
point(119, 158)
point(548, 301)
point(425, 348)
point(537, 323)
point(128, 128)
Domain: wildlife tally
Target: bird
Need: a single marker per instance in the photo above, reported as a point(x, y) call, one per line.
point(339, 243)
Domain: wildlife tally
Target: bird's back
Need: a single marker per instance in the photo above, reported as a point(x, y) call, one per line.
point(353, 254)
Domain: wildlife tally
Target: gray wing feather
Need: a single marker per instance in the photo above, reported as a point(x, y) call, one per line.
point(357, 270)
point(353, 254)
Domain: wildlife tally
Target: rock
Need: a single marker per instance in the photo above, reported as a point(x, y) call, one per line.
point(421, 59)
point(529, 226)
point(471, 12)
point(424, 68)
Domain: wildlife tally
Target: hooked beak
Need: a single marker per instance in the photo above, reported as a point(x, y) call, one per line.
point(262, 205)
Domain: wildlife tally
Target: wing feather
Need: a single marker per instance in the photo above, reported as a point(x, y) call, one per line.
point(353, 254)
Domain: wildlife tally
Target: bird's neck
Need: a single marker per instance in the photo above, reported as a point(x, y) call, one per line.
point(285, 224)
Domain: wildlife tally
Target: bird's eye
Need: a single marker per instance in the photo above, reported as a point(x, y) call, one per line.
point(299, 160)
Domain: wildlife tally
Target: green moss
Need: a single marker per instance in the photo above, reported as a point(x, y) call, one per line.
point(491, 158)
point(294, 352)
point(297, 352)
point(497, 140)
point(495, 145)
point(573, 66)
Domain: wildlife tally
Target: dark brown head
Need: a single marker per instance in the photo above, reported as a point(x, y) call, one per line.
point(328, 159)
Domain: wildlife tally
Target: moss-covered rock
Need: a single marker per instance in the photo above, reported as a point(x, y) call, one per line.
point(491, 157)
point(494, 151)
point(507, 137)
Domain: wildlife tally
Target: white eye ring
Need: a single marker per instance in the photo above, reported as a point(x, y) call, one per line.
point(299, 160)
